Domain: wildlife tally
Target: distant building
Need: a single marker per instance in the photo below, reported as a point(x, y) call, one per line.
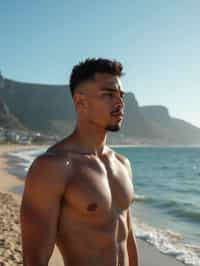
point(11, 135)
point(24, 140)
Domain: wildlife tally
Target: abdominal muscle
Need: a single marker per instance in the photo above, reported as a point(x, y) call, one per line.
point(85, 243)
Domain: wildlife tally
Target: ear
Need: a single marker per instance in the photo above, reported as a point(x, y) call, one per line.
point(80, 101)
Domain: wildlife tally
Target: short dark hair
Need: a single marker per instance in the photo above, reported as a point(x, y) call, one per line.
point(87, 69)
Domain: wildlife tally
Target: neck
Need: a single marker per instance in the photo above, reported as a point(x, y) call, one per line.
point(90, 138)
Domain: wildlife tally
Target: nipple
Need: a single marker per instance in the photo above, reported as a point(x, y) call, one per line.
point(92, 207)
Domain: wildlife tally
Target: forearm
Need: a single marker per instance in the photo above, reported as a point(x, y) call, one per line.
point(34, 263)
point(34, 260)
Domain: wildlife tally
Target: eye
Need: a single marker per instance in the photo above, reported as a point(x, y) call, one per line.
point(110, 94)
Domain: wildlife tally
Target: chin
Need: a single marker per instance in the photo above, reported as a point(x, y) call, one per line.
point(113, 128)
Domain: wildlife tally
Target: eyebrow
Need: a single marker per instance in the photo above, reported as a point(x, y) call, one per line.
point(110, 89)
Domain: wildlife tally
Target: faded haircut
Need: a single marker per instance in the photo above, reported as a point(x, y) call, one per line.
point(87, 69)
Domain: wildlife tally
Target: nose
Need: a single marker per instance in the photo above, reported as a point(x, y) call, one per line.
point(119, 102)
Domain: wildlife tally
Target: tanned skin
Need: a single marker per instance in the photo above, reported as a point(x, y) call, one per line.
point(78, 194)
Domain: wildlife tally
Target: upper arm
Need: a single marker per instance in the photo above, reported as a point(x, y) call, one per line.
point(131, 240)
point(40, 210)
point(125, 161)
point(129, 168)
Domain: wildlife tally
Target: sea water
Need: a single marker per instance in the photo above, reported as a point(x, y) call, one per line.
point(166, 210)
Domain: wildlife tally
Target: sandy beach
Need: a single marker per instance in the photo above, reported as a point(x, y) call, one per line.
point(10, 242)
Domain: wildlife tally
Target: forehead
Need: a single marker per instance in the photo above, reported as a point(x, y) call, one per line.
point(109, 80)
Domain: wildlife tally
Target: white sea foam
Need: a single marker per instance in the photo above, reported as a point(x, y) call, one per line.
point(170, 243)
point(139, 197)
point(27, 157)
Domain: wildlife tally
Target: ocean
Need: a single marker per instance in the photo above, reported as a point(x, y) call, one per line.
point(166, 210)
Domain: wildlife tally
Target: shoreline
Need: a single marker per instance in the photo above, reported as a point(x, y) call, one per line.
point(153, 257)
point(7, 179)
point(154, 146)
point(149, 255)
point(9, 230)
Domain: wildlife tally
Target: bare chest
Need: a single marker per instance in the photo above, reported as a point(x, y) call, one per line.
point(99, 187)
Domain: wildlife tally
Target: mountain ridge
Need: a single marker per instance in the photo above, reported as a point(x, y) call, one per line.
point(49, 109)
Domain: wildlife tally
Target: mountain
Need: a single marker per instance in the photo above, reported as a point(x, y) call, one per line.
point(7, 119)
point(49, 109)
point(135, 123)
point(45, 108)
point(173, 130)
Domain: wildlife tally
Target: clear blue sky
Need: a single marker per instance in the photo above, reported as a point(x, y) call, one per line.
point(157, 41)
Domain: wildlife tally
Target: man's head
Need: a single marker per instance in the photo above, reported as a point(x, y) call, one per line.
point(86, 71)
point(97, 92)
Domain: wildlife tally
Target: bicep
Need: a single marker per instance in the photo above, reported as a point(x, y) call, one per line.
point(40, 211)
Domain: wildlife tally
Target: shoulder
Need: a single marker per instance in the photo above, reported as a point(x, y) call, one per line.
point(49, 172)
point(61, 147)
point(48, 160)
point(123, 160)
point(44, 163)
point(55, 156)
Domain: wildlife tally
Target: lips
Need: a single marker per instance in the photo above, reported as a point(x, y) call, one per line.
point(118, 113)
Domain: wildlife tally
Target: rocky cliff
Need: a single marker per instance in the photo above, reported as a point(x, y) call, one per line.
point(49, 109)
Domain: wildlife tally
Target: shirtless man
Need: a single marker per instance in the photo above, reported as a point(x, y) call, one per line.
point(78, 194)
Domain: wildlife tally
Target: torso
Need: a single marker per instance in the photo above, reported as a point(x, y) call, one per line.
point(93, 229)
